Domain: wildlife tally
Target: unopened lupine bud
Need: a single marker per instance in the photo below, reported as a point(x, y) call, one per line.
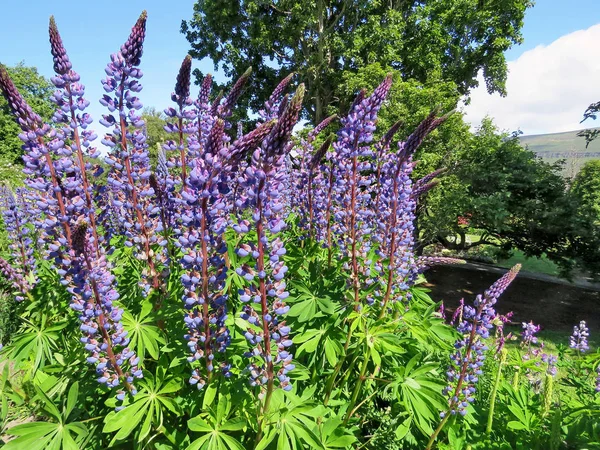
point(132, 48)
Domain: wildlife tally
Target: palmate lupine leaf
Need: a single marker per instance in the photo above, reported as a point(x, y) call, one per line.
point(59, 435)
point(216, 428)
point(145, 337)
point(146, 410)
point(417, 387)
point(36, 342)
point(292, 421)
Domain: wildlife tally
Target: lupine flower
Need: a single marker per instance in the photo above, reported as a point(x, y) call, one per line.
point(261, 192)
point(73, 163)
point(396, 214)
point(15, 279)
point(17, 218)
point(92, 287)
point(128, 160)
point(551, 361)
point(204, 220)
point(598, 378)
point(270, 110)
point(467, 359)
point(306, 177)
point(353, 178)
point(45, 193)
point(528, 334)
point(579, 338)
point(183, 115)
point(424, 262)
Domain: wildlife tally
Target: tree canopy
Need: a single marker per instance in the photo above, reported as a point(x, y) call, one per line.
point(505, 192)
point(322, 40)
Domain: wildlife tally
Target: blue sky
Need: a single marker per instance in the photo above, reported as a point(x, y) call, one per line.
point(92, 30)
point(550, 19)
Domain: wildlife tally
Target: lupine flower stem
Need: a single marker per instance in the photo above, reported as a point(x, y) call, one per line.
point(494, 393)
point(134, 193)
point(205, 293)
point(354, 259)
point(461, 379)
point(81, 162)
point(338, 367)
point(260, 265)
point(328, 216)
point(57, 193)
point(358, 386)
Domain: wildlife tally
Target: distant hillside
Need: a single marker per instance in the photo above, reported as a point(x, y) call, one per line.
point(566, 146)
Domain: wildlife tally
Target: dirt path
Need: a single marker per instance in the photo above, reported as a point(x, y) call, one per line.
point(554, 305)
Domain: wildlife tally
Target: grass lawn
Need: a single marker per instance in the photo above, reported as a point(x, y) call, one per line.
point(539, 265)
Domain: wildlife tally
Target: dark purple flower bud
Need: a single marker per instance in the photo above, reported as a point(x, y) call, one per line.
point(132, 49)
point(62, 65)
point(205, 89)
point(234, 94)
point(182, 87)
point(26, 118)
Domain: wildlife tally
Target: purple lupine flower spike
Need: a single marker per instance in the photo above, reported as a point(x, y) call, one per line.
point(262, 191)
point(273, 105)
point(93, 293)
point(16, 214)
point(528, 335)
point(353, 172)
point(128, 159)
point(396, 207)
point(45, 192)
point(74, 122)
point(205, 89)
point(429, 177)
point(225, 108)
point(182, 116)
point(469, 355)
point(579, 338)
point(26, 117)
point(16, 279)
point(182, 86)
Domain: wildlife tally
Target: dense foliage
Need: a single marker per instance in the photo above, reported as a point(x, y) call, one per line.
point(324, 40)
point(252, 291)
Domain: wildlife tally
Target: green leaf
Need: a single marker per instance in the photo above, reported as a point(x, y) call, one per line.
point(198, 424)
point(514, 425)
point(72, 398)
point(235, 424)
point(198, 443)
point(403, 428)
point(209, 395)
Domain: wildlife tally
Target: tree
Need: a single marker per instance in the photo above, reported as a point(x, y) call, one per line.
point(506, 194)
point(322, 40)
point(586, 190)
point(155, 131)
point(37, 90)
point(590, 113)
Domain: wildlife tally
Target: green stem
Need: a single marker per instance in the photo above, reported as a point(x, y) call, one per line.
point(358, 386)
point(490, 420)
point(338, 367)
point(437, 431)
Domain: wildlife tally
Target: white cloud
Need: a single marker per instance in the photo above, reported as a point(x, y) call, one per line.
point(548, 87)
